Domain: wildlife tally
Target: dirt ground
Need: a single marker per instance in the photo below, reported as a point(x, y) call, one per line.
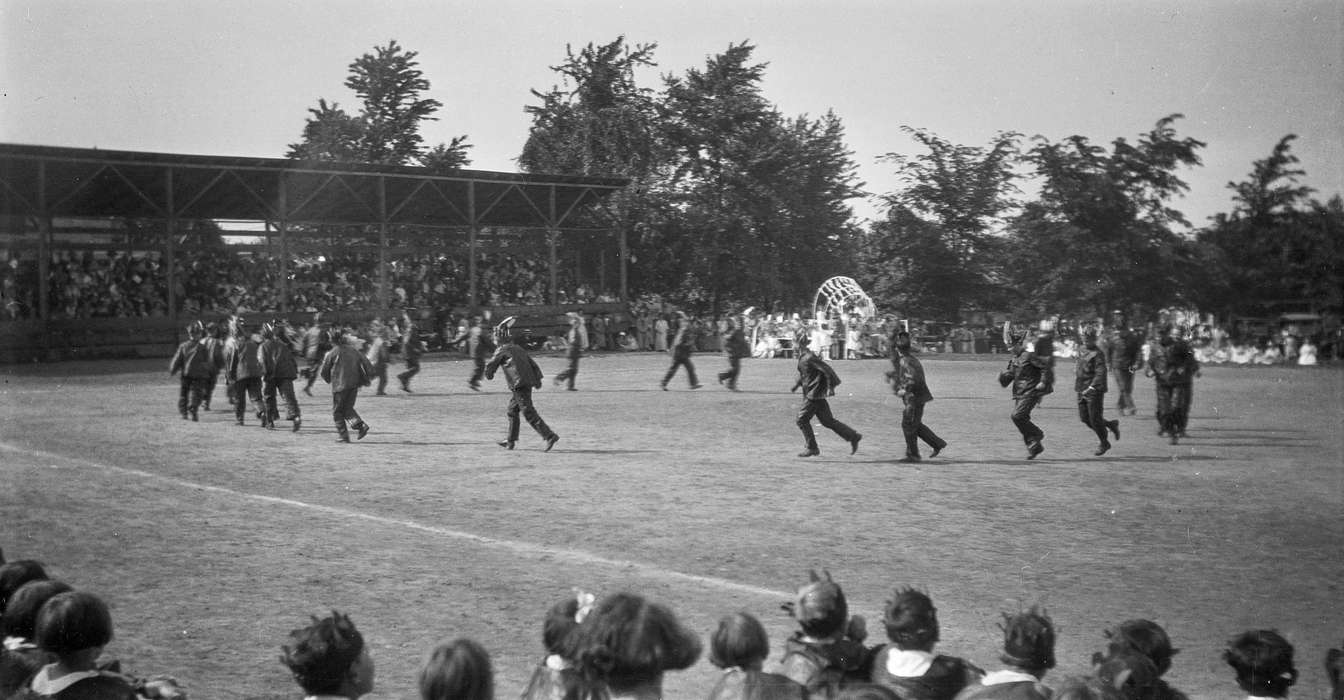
point(212, 541)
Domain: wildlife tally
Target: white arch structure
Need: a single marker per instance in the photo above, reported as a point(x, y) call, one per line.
point(842, 296)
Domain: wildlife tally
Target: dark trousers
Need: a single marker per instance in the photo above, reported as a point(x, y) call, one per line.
point(230, 392)
point(822, 410)
point(1090, 410)
point(412, 369)
point(1165, 424)
point(1022, 408)
point(477, 370)
point(679, 360)
point(191, 393)
point(569, 373)
point(243, 389)
point(314, 364)
point(729, 376)
point(521, 403)
point(380, 371)
point(274, 389)
point(210, 389)
point(912, 424)
point(343, 410)
point(1124, 389)
point(1182, 396)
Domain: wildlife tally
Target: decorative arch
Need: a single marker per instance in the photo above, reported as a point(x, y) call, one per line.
point(842, 296)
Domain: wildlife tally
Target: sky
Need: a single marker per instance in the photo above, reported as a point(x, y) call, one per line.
point(236, 78)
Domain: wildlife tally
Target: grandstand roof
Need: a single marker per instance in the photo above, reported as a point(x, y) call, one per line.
point(90, 182)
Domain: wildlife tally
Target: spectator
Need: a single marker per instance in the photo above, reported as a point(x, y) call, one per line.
point(1028, 652)
point(457, 670)
point(1263, 662)
point(16, 573)
point(20, 657)
point(557, 677)
point(739, 646)
point(74, 627)
point(629, 643)
point(827, 651)
point(329, 658)
point(908, 665)
point(1147, 638)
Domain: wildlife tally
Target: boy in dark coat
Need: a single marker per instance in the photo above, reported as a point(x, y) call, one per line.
point(736, 347)
point(522, 375)
point(907, 381)
point(683, 344)
point(196, 361)
point(827, 652)
point(346, 370)
point(244, 369)
point(278, 372)
point(818, 382)
point(908, 665)
point(1090, 383)
point(1028, 651)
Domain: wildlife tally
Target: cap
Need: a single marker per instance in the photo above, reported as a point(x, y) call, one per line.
point(820, 605)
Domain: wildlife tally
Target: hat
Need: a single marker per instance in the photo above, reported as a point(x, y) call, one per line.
point(819, 606)
point(911, 618)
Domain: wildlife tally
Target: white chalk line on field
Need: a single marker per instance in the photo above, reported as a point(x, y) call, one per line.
point(515, 546)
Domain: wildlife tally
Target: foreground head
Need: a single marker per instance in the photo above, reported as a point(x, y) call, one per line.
point(628, 642)
point(802, 339)
point(911, 620)
point(1263, 661)
point(196, 330)
point(73, 622)
point(328, 658)
point(820, 607)
point(15, 574)
point(740, 641)
point(1029, 641)
point(901, 339)
point(20, 618)
point(1147, 638)
point(562, 623)
point(457, 670)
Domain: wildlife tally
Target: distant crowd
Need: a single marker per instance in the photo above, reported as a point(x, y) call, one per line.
point(621, 646)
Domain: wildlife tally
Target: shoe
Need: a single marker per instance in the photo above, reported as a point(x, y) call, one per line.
point(1102, 449)
point(938, 449)
point(345, 437)
point(556, 381)
point(407, 388)
point(475, 386)
point(550, 442)
point(239, 421)
point(363, 430)
point(854, 444)
point(910, 459)
point(1181, 433)
point(1034, 449)
point(809, 453)
point(297, 422)
point(571, 389)
point(1174, 440)
point(184, 415)
point(696, 386)
point(1161, 432)
point(506, 444)
point(721, 378)
point(308, 390)
point(732, 387)
point(1114, 427)
point(195, 418)
point(664, 386)
point(206, 405)
point(381, 393)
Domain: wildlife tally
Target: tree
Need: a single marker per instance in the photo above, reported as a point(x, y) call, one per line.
point(1277, 246)
point(389, 85)
point(1099, 236)
point(937, 251)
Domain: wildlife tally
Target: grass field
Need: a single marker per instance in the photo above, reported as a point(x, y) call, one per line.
point(212, 541)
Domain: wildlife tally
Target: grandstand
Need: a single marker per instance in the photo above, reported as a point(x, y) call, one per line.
point(108, 252)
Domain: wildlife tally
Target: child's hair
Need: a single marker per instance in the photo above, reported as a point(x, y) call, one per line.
point(1028, 640)
point(911, 620)
point(627, 641)
point(457, 670)
point(1130, 672)
point(740, 640)
point(559, 626)
point(321, 654)
point(15, 574)
point(820, 607)
point(867, 691)
point(20, 617)
point(72, 621)
point(1147, 638)
point(1086, 688)
point(1263, 660)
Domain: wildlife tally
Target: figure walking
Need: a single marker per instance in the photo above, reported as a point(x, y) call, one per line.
point(522, 375)
point(195, 360)
point(1090, 383)
point(735, 347)
point(1124, 351)
point(818, 382)
point(907, 380)
point(278, 372)
point(576, 339)
point(682, 347)
point(1031, 376)
point(346, 370)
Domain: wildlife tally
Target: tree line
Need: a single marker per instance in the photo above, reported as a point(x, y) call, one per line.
point(733, 203)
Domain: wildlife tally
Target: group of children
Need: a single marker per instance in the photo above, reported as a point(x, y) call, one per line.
point(620, 646)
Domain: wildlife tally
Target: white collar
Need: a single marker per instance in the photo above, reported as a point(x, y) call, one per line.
point(909, 663)
point(1008, 676)
point(18, 643)
point(43, 684)
point(556, 662)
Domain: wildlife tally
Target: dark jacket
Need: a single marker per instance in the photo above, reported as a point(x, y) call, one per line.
point(735, 342)
point(519, 368)
point(907, 374)
point(737, 684)
point(1090, 372)
point(1027, 370)
point(345, 368)
point(824, 669)
point(1125, 349)
point(816, 377)
point(946, 677)
point(277, 360)
point(244, 362)
point(193, 359)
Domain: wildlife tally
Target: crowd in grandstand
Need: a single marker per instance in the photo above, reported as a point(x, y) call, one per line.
point(622, 645)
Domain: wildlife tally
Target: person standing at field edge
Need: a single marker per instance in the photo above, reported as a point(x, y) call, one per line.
point(818, 382)
point(577, 339)
point(346, 370)
point(523, 375)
